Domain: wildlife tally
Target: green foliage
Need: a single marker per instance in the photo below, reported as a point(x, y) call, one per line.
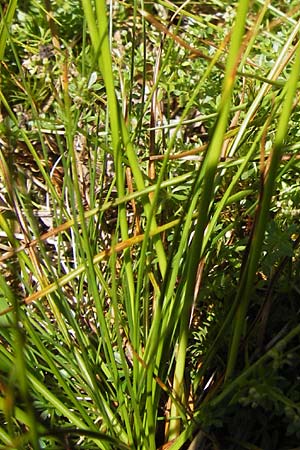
point(149, 216)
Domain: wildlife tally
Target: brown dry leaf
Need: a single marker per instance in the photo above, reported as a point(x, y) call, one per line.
point(167, 445)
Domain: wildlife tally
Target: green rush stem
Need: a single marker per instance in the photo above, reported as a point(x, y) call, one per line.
point(209, 168)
